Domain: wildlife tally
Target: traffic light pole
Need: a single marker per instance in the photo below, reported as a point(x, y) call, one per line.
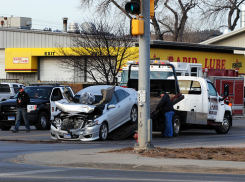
point(144, 121)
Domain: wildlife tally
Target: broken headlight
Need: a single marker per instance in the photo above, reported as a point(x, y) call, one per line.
point(91, 123)
point(57, 122)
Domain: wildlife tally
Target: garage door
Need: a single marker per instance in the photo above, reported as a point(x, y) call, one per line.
point(50, 70)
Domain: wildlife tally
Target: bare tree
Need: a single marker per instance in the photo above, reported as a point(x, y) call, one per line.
point(223, 11)
point(99, 53)
point(177, 8)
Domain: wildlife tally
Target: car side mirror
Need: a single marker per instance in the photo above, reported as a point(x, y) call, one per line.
point(111, 106)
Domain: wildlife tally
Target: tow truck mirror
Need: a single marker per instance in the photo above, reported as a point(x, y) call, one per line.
point(226, 90)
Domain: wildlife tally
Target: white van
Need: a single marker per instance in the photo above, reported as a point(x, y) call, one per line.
point(8, 89)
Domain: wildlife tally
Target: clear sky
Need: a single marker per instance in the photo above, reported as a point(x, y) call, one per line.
point(44, 13)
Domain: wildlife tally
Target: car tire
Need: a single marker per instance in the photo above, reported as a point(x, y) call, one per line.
point(176, 125)
point(225, 127)
point(103, 131)
point(134, 115)
point(5, 128)
point(42, 121)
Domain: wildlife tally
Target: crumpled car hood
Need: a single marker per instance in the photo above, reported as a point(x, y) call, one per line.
point(75, 108)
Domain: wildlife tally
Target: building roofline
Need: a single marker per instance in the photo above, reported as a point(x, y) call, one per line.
point(36, 31)
point(194, 47)
point(224, 36)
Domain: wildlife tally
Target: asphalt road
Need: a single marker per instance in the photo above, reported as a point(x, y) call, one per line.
point(22, 143)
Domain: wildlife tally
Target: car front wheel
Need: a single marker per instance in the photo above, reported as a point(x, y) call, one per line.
point(103, 131)
point(5, 128)
point(42, 122)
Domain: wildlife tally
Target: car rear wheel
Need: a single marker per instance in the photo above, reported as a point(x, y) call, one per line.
point(103, 131)
point(225, 126)
point(42, 122)
point(5, 128)
point(134, 115)
point(176, 125)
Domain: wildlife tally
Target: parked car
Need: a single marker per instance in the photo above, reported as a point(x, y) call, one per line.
point(8, 89)
point(113, 106)
point(41, 109)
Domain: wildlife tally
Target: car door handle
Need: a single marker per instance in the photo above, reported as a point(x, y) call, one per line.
point(119, 106)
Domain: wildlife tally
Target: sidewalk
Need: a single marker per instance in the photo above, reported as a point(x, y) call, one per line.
point(118, 161)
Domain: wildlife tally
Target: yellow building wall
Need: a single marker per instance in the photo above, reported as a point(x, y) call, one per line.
point(207, 59)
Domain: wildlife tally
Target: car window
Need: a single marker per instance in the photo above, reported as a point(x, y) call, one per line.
point(113, 100)
point(16, 90)
point(125, 93)
point(4, 88)
point(120, 95)
point(57, 94)
point(212, 91)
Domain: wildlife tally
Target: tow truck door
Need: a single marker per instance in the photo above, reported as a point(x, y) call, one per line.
point(56, 95)
point(213, 102)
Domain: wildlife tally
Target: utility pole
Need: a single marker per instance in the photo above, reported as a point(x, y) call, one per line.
point(144, 121)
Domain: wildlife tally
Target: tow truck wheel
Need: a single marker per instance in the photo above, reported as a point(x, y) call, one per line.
point(5, 128)
point(176, 125)
point(225, 127)
point(42, 122)
point(134, 115)
point(103, 131)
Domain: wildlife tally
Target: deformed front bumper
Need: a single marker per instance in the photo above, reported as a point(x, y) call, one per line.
point(84, 134)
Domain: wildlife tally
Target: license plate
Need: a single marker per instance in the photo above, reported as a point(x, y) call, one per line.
point(11, 118)
point(67, 136)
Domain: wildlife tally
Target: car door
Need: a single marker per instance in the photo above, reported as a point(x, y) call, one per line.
point(112, 113)
point(124, 106)
point(56, 95)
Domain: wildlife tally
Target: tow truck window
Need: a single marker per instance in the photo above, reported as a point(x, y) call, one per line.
point(4, 88)
point(212, 91)
point(189, 87)
point(154, 75)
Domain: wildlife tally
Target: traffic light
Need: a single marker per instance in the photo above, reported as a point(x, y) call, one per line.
point(137, 27)
point(133, 7)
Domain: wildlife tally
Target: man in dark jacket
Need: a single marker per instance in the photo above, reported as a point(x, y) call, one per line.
point(22, 101)
point(166, 107)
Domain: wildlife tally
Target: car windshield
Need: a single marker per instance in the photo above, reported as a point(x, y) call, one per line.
point(98, 98)
point(38, 92)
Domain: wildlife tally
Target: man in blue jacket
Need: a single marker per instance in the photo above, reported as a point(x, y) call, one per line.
point(166, 107)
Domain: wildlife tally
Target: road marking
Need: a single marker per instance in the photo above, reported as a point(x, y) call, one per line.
point(30, 172)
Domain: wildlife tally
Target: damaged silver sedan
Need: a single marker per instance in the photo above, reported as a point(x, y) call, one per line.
point(106, 108)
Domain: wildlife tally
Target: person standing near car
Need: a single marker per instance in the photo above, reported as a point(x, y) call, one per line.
point(21, 103)
point(166, 107)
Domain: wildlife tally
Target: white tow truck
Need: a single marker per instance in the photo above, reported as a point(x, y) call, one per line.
point(202, 106)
